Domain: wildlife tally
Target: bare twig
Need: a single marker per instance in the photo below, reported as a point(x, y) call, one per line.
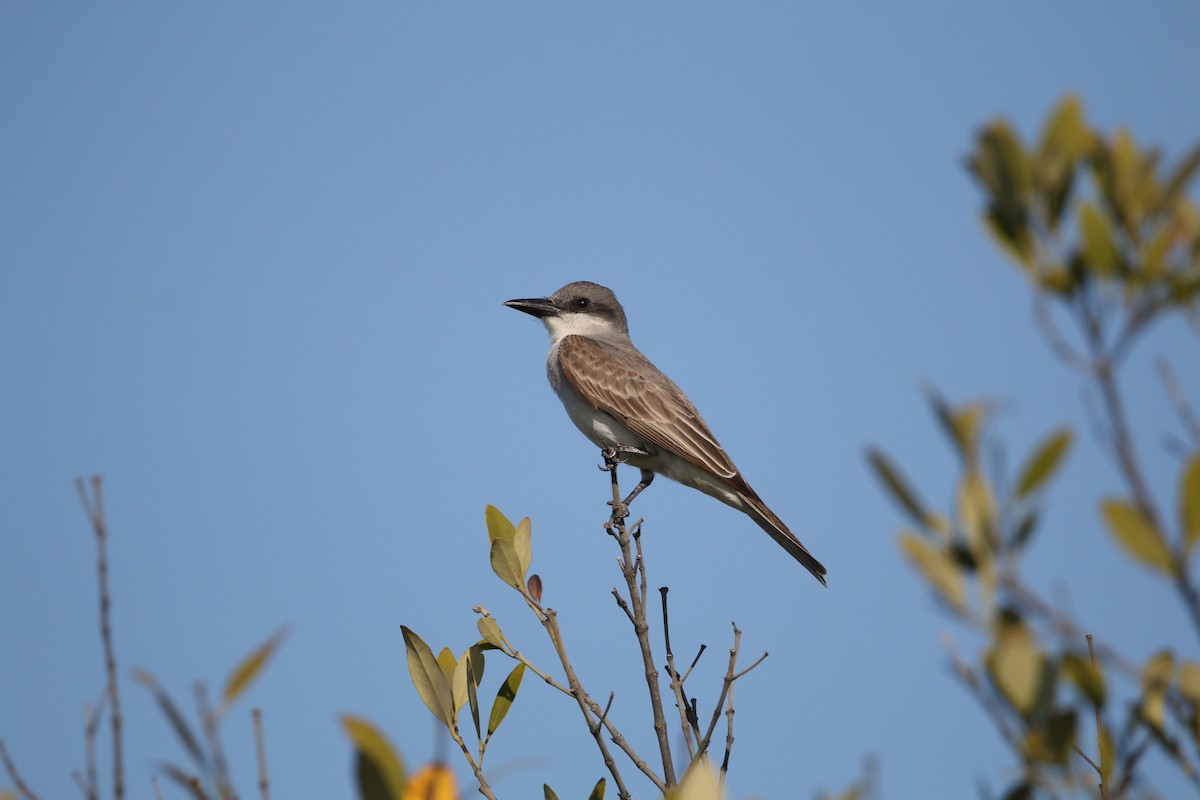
point(726, 686)
point(157, 789)
point(261, 750)
point(1183, 408)
point(14, 776)
point(1058, 343)
point(476, 767)
point(969, 679)
point(94, 508)
point(728, 736)
point(208, 720)
point(595, 726)
point(91, 716)
point(676, 681)
point(1099, 731)
point(632, 569)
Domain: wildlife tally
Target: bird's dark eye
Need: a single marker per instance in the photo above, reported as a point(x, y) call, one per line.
point(582, 303)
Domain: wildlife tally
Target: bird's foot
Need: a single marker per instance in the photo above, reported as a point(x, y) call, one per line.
point(618, 454)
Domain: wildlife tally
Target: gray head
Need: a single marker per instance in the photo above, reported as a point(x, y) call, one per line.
point(582, 307)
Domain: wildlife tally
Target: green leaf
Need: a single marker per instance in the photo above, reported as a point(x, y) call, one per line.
point(1099, 247)
point(523, 545)
point(1189, 681)
point(176, 719)
point(475, 664)
point(937, 566)
point(447, 662)
point(504, 698)
point(549, 793)
point(896, 484)
point(381, 773)
point(458, 683)
point(1107, 755)
point(498, 526)
point(977, 513)
point(428, 678)
point(1182, 175)
point(1017, 666)
point(1044, 461)
point(248, 670)
point(489, 629)
point(598, 790)
point(1052, 742)
point(1067, 131)
point(1189, 502)
point(506, 564)
point(1156, 679)
point(1088, 678)
point(1137, 535)
point(964, 425)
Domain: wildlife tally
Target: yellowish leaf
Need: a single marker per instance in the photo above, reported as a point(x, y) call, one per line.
point(432, 782)
point(498, 526)
point(938, 567)
point(1137, 535)
point(374, 746)
point(245, 672)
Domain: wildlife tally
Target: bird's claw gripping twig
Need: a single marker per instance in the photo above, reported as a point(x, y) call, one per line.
point(618, 454)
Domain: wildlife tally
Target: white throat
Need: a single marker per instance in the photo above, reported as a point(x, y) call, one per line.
point(589, 325)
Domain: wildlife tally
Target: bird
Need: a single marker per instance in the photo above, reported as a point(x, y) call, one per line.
point(630, 409)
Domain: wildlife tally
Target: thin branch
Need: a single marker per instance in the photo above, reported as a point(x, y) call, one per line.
point(14, 776)
point(728, 734)
point(726, 686)
point(1061, 348)
point(208, 720)
point(550, 621)
point(91, 716)
point(969, 679)
point(477, 768)
point(1183, 408)
point(261, 750)
point(1099, 731)
point(676, 682)
point(632, 569)
point(695, 661)
point(94, 508)
point(157, 789)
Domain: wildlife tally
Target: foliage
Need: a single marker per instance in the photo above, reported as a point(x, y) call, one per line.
point(1110, 241)
point(447, 684)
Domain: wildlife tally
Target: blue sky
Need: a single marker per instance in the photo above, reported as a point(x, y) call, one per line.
point(252, 261)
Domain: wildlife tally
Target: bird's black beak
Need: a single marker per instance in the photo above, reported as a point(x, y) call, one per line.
point(540, 307)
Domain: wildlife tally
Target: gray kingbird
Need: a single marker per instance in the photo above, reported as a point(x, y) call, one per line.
point(620, 400)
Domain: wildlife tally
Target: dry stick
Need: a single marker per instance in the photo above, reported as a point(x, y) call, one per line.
point(15, 776)
point(726, 687)
point(1104, 373)
point(728, 736)
point(969, 679)
point(589, 707)
point(1099, 732)
point(208, 720)
point(484, 788)
point(91, 725)
point(630, 568)
point(260, 747)
point(560, 649)
point(154, 785)
point(1187, 414)
point(94, 508)
point(676, 683)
